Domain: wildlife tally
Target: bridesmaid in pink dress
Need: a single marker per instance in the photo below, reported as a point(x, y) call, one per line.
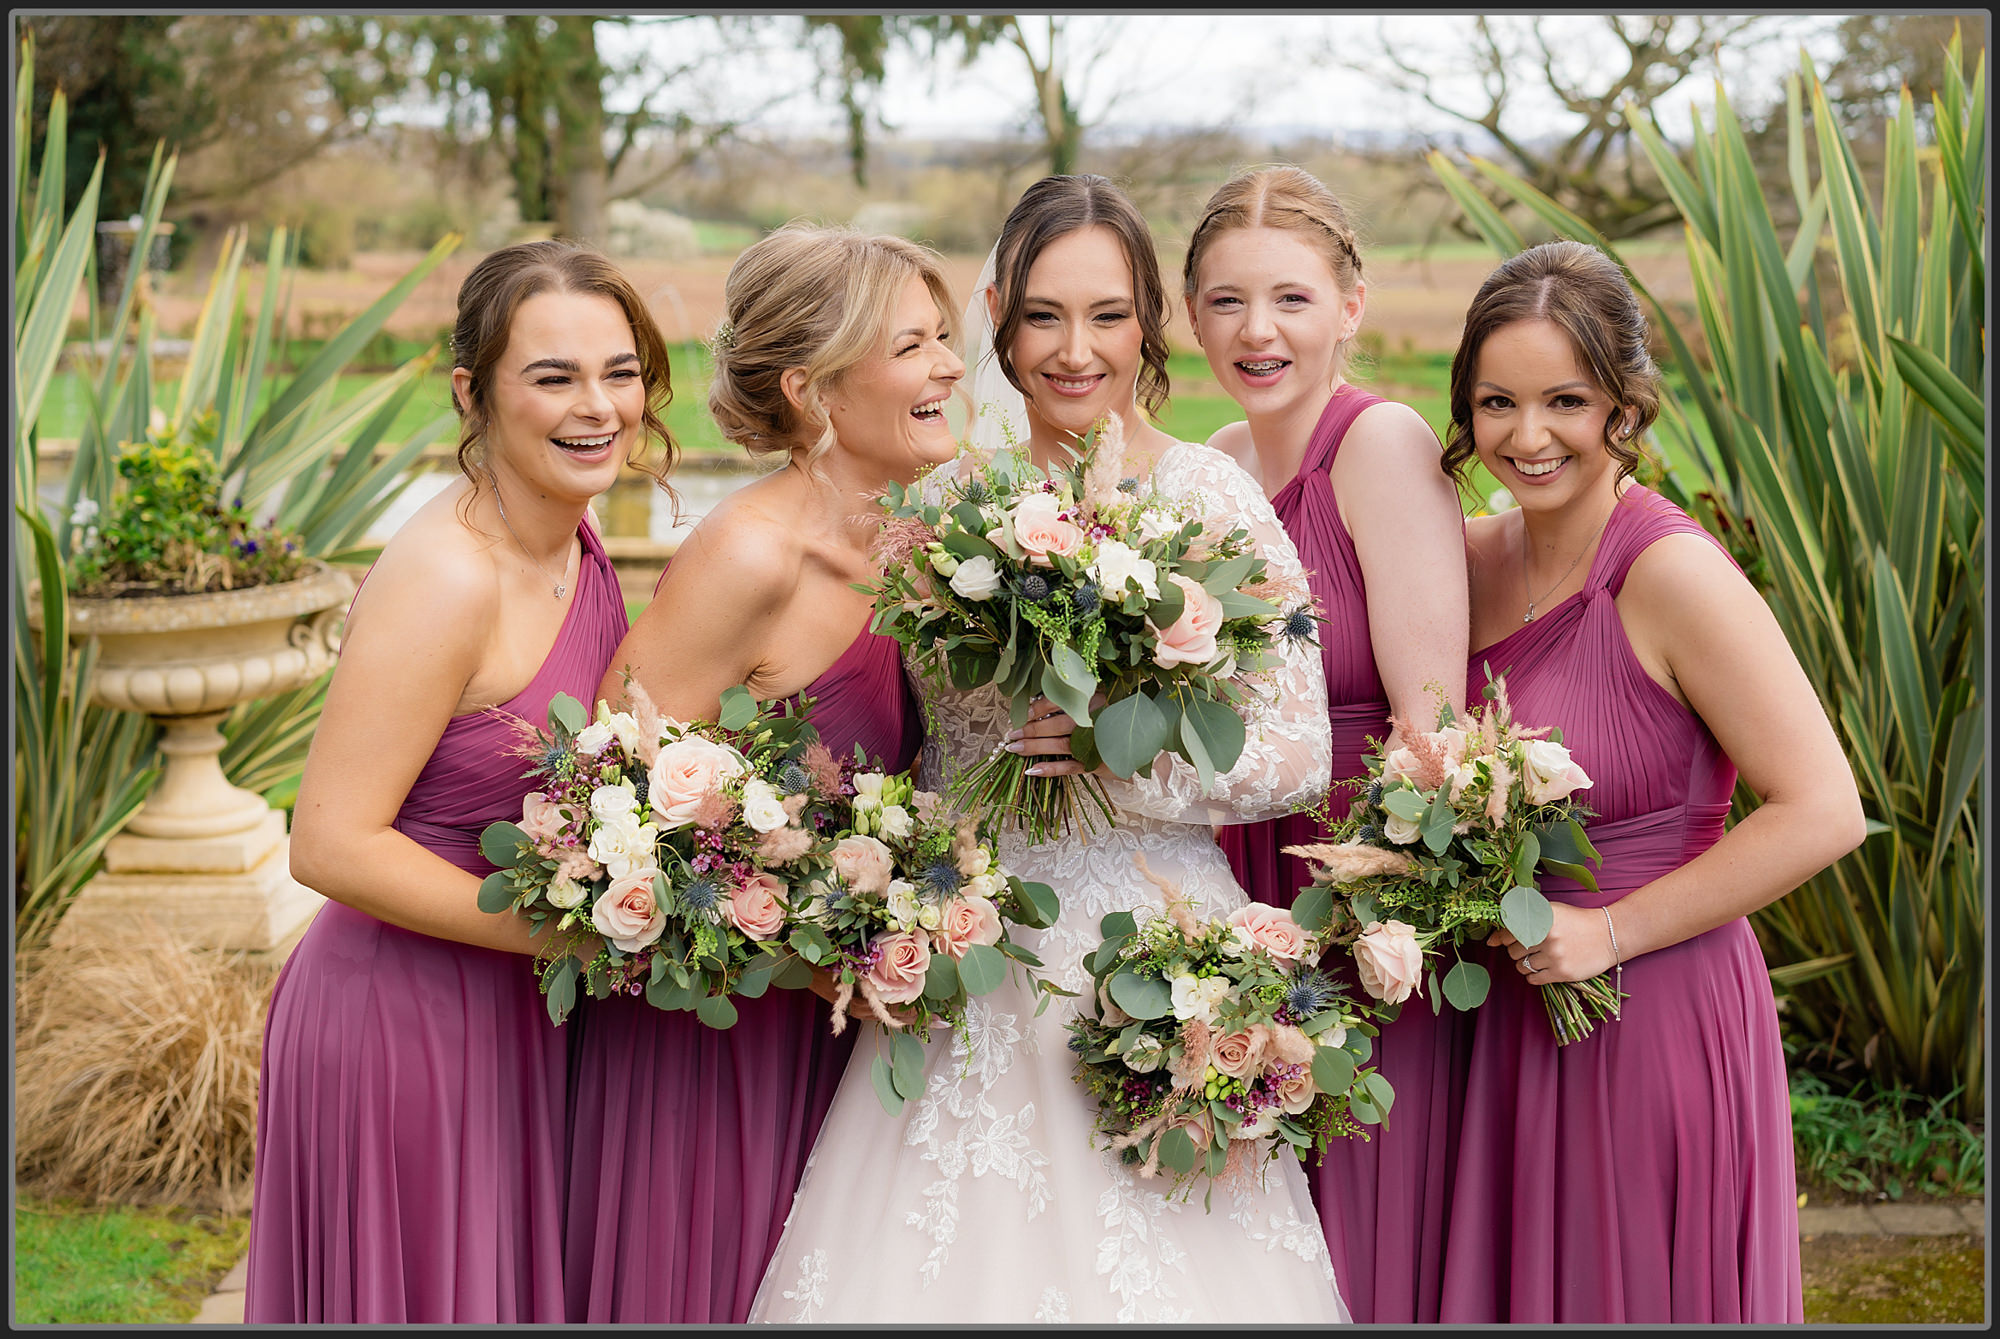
point(411, 1146)
point(1643, 1174)
point(1274, 292)
point(688, 1143)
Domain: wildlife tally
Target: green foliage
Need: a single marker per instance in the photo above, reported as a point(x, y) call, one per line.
point(82, 771)
point(1869, 1140)
point(1838, 433)
point(169, 532)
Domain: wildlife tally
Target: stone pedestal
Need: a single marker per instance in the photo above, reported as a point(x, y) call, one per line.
point(204, 861)
point(234, 891)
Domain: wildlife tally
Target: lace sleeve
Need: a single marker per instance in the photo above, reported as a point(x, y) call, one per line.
point(1287, 761)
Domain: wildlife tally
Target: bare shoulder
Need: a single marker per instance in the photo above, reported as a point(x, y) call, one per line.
point(1677, 575)
point(436, 575)
point(749, 541)
point(1232, 440)
point(1390, 440)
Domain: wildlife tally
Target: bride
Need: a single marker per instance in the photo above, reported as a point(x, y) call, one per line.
point(988, 1199)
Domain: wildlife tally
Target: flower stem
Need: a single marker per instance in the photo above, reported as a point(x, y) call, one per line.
point(1002, 794)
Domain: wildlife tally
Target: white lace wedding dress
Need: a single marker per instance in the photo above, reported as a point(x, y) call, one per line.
point(987, 1200)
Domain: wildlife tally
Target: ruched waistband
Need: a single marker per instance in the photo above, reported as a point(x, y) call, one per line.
point(1635, 851)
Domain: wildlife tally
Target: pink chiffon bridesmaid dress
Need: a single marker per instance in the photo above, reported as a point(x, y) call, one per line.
point(1381, 1201)
point(1643, 1174)
point(411, 1138)
point(687, 1142)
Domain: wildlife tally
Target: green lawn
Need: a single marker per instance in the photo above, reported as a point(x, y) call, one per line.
point(77, 1266)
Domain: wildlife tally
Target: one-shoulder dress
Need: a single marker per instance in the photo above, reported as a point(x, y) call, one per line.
point(411, 1146)
point(688, 1142)
point(1643, 1174)
point(1382, 1201)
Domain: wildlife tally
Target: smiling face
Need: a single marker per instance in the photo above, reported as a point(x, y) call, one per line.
point(1538, 420)
point(567, 402)
point(1078, 349)
point(888, 410)
point(1270, 315)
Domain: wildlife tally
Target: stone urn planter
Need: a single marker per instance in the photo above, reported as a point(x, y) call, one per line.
point(207, 861)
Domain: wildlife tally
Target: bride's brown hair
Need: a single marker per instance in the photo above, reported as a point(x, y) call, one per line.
point(1055, 207)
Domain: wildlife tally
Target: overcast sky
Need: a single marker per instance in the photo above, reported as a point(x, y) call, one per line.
point(1274, 72)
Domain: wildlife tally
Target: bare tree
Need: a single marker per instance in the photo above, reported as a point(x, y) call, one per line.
point(1060, 60)
point(1590, 165)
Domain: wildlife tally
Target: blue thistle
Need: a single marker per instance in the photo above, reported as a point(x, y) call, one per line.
point(792, 779)
point(1033, 587)
point(553, 756)
point(703, 896)
point(642, 789)
point(1369, 833)
point(940, 879)
point(1300, 625)
point(1375, 793)
point(1078, 1042)
point(977, 493)
point(1086, 598)
point(1309, 992)
point(1129, 484)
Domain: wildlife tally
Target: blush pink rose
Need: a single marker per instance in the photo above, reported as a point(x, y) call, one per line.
point(544, 819)
point(627, 913)
point(966, 921)
point(781, 846)
point(901, 962)
point(863, 863)
point(1389, 960)
point(1191, 640)
point(1295, 1092)
point(688, 775)
point(754, 908)
point(1273, 930)
point(1238, 1054)
point(1041, 532)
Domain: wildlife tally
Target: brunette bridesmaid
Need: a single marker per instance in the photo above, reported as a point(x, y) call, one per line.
point(411, 1145)
point(1275, 295)
point(1643, 1174)
point(689, 1142)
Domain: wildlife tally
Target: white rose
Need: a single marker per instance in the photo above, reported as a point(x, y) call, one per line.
point(623, 845)
point(1551, 774)
point(1402, 831)
point(1198, 996)
point(976, 578)
point(1155, 524)
point(896, 822)
point(763, 807)
point(989, 886)
point(594, 738)
point(1118, 565)
point(566, 893)
point(929, 917)
point(902, 902)
point(608, 804)
point(623, 725)
point(1265, 1122)
point(976, 862)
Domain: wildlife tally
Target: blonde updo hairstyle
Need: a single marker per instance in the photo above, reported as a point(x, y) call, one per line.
point(1290, 198)
point(487, 301)
point(814, 297)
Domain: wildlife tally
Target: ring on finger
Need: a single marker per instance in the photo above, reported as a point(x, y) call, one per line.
point(1528, 963)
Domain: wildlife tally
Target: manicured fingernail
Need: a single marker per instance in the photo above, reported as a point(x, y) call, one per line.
point(1014, 746)
point(1012, 735)
point(1036, 771)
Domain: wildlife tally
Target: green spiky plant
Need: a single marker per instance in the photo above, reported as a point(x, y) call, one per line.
point(305, 459)
point(1844, 421)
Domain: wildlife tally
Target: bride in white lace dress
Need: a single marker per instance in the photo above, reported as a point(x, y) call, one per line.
point(988, 1200)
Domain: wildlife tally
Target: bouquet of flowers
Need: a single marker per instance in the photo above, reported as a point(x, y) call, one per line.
point(1442, 845)
point(1212, 1046)
point(912, 914)
point(659, 855)
point(1074, 583)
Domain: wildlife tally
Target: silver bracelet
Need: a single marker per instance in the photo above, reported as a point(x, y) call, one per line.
point(1618, 963)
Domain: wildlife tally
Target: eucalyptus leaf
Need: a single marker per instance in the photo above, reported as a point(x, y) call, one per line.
point(1332, 1069)
point(884, 1080)
point(1143, 997)
point(1313, 908)
point(906, 1064)
point(496, 892)
point(567, 712)
point(982, 969)
point(1465, 985)
point(502, 843)
point(941, 979)
point(718, 1011)
point(1527, 915)
point(1221, 730)
point(1177, 1151)
point(1130, 733)
point(561, 987)
point(738, 708)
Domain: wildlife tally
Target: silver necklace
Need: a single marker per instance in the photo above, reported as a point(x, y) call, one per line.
point(561, 583)
point(1529, 617)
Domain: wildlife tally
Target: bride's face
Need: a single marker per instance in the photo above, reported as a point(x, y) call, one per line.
point(1077, 351)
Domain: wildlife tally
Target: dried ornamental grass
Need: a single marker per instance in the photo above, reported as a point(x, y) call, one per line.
point(135, 1072)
